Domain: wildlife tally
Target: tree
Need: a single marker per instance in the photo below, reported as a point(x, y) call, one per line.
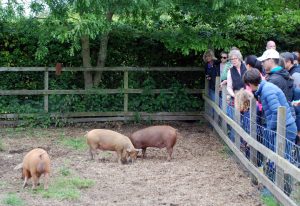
point(80, 21)
point(184, 26)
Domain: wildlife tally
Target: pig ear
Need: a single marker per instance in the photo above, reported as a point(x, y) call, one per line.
point(19, 166)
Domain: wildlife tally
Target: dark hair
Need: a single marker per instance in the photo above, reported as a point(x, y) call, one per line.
point(252, 76)
point(223, 52)
point(254, 63)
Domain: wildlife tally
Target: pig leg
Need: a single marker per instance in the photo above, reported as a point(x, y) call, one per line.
point(25, 181)
point(46, 181)
point(26, 175)
point(144, 152)
point(35, 180)
point(91, 153)
point(119, 156)
point(170, 151)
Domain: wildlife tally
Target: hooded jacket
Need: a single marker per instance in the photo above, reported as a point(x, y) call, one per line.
point(282, 78)
point(271, 98)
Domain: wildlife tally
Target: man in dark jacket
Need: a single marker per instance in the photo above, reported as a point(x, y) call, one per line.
point(277, 74)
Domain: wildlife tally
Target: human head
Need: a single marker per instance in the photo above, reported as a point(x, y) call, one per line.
point(209, 56)
point(234, 48)
point(235, 57)
point(271, 45)
point(288, 60)
point(242, 100)
point(252, 78)
point(252, 62)
point(269, 59)
point(224, 57)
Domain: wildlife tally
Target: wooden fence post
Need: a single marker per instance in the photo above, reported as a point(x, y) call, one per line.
point(217, 98)
point(46, 87)
point(126, 88)
point(206, 94)
point(253, 129)
point(280, 144)
point(224, 107)
point(237, 119)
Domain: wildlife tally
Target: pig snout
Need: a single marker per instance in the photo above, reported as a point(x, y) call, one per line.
point(132, 155)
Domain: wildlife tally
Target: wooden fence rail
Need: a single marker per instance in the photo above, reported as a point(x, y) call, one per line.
point(102, 116)
point(283, 166)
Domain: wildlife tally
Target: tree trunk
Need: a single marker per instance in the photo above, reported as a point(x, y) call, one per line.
point(102, 52)
point(86, 59)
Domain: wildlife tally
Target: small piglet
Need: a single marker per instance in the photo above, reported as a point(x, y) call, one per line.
point(105, 139)
point(155, 136)
point(35, 163)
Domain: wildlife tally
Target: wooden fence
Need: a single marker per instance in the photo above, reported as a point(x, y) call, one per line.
point(283, 166)
point(101, 116)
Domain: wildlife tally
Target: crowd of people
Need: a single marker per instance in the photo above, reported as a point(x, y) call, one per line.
point(273, 79)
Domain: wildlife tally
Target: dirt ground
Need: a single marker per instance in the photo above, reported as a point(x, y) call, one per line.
point(200, 173)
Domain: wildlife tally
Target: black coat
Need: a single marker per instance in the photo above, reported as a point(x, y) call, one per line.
point(212, 72)
point(283, 80)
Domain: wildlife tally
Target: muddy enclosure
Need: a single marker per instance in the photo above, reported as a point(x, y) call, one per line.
point(202, 171)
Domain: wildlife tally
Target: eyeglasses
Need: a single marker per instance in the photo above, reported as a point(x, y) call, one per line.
point(232, 59)
point(224, 57)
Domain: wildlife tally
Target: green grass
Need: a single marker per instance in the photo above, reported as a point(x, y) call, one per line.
point(66, 188)
point(64, 171)
point(13, 199)
point(75, 143)
point(269, 200)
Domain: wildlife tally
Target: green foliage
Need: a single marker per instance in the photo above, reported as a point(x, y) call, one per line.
point(42, 120)
point(141, 33)
point(13, 200)
point(177, 101)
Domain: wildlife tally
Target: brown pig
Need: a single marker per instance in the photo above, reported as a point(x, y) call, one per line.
point(35, 163)
point(105, 139)
point(155, 136)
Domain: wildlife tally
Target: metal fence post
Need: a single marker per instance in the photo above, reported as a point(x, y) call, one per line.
point(280, 144)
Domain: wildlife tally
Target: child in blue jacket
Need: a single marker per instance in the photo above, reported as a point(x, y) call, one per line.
point(271, 98)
